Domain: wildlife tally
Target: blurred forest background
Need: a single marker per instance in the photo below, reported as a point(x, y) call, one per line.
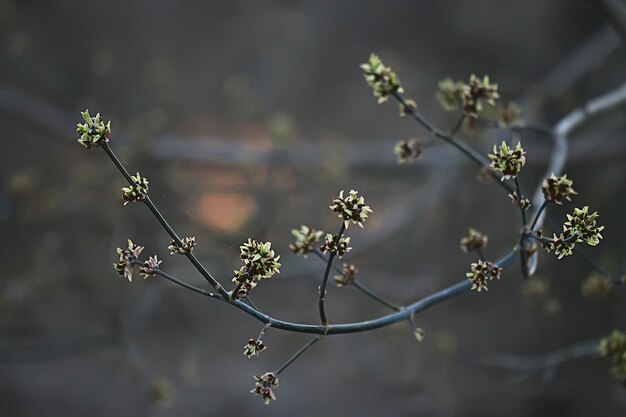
point(248, 117)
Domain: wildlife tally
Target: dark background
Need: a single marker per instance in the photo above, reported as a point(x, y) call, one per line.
point(248, 117)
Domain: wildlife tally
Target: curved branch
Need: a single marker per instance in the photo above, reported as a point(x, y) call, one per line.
point(565, 127)
point(455, 290)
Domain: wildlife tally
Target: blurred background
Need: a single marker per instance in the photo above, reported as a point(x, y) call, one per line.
point(248, 117)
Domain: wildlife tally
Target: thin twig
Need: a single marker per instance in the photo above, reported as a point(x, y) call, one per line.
point(303, 349)
point(356, 284)
point(329, 264)
point(263, 330)
point(537, 214)
point(181, 283)
point(464, 148)
point(457, 125)
point(249, 300)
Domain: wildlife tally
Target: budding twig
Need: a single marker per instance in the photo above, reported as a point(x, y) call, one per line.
point(464, 148)
point(181, 283)
point(155, 211)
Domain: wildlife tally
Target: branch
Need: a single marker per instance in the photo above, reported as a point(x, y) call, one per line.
point(329, 264)
point(356, 284)
point(569, 124)
point(155, 211)
point(471, 153)
point(546, 361)
point(181, 283)
point(453, 291)
point(300, 351)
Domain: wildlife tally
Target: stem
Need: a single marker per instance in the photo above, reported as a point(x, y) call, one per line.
point(234, 292)
point(263, 330)
point(329, 264)
point(457, 125)
point(296, 355)
point(181, 283)
point(538, 214)
point(374, 296)
point(542, 239)
point(520, 125)
point(532, 127)
point(249, 300)
point(455, 290)
point(155, 211)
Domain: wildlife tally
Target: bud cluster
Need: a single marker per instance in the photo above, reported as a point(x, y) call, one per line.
point(188, 243)
point(507, 161)
point(562, 245)
point(452, 94)
point(474, 241)
point(335, 244)
point(556, 189)
point(138, 191)
point(348, 274)
point(253, 348)
point(481, 273)
point(150, 266)
point(522, 203)
point(408, 151)
point(94, 132)
point(264, 386)
point(260, 261)
point(584, 226)
point(382, 79)
point(615, 345)
point(351, 208)
point(124, 266)
point(307, 239)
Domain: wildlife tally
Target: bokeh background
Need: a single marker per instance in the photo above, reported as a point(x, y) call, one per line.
point(247, 117)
